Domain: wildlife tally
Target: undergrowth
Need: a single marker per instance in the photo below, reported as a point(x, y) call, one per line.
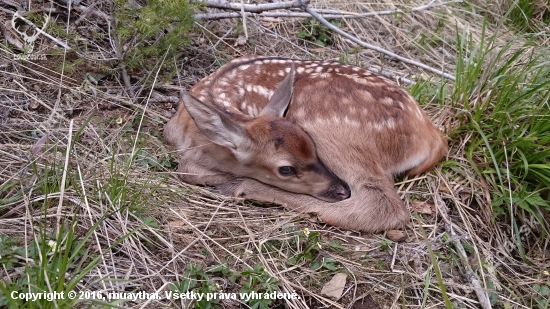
point(501, 94)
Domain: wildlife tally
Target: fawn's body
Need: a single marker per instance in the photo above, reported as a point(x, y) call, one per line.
point(361, 130)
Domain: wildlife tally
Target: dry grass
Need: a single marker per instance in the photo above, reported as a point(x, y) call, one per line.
point(168, 225)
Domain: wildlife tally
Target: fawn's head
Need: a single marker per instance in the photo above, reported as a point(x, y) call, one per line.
point(269, 148)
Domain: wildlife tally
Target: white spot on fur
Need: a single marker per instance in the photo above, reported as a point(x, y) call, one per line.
point(281, 73)
point(300, 70)
point(287, 70)
point(356, 69)
point(241, 91)
point(202, 98)
point(244, 67)
point(252, 110)
point(232, 75)
point(309, 71)
point(249, 88)
point(222, 95)
point(386, 101)
point(419, 114)
point(352, 123)
point(261, 90)
point(400, 104)
point(243, 105)
point(226, 103)
point(319, 69)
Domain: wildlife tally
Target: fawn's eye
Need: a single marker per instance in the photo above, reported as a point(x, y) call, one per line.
point(287, 170)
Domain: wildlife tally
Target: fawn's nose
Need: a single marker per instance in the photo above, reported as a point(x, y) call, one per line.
point(342, 191)
point(337, 191)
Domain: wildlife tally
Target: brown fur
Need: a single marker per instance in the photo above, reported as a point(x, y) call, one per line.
point(365, 130)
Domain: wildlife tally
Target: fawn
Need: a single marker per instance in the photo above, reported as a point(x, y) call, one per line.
point(317, 137)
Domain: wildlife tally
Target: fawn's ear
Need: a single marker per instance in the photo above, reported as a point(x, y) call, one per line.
point(219, 126)
point(281, 97)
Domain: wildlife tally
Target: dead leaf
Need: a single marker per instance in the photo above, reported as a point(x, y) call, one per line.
point(39, 145)
point(319, 50)
point(423, 207)
point(34, 104)
point(176, 224)
point(335, 287)
point(396, 235)
point(241, 40)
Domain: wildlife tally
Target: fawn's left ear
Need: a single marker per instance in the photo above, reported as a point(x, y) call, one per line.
point(281, 97)
point(216, 125)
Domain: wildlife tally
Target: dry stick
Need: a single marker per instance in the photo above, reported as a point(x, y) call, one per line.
point(88, 210)
point(253, 8)
point(376, 48)
point(82, 8)
point(327, 14)
point(64, 177)
point(470, 276)
point(273, 6)
point(244, 20)
point(119, 53)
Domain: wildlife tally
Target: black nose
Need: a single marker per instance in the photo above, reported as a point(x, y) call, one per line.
point(341, 191)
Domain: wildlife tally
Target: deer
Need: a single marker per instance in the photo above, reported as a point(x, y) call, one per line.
point(317, 137)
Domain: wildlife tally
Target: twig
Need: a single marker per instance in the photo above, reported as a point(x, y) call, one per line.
point(253, 8)
point(244, 20)
point(82, 8)
point(64, 178)
point(120, 56)
point(327, 14)
point(470, 276)
point(376, 48)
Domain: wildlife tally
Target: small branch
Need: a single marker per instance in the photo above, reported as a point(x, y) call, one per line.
point(87, 10)
point(376, 48)
point(470, 276)
point(120, 56)
point(327, 14)
point(253, 8)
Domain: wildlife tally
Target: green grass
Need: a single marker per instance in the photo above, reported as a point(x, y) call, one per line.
point(501, 102)
point(65, 255)
point(499, 123)
point(502, 94)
